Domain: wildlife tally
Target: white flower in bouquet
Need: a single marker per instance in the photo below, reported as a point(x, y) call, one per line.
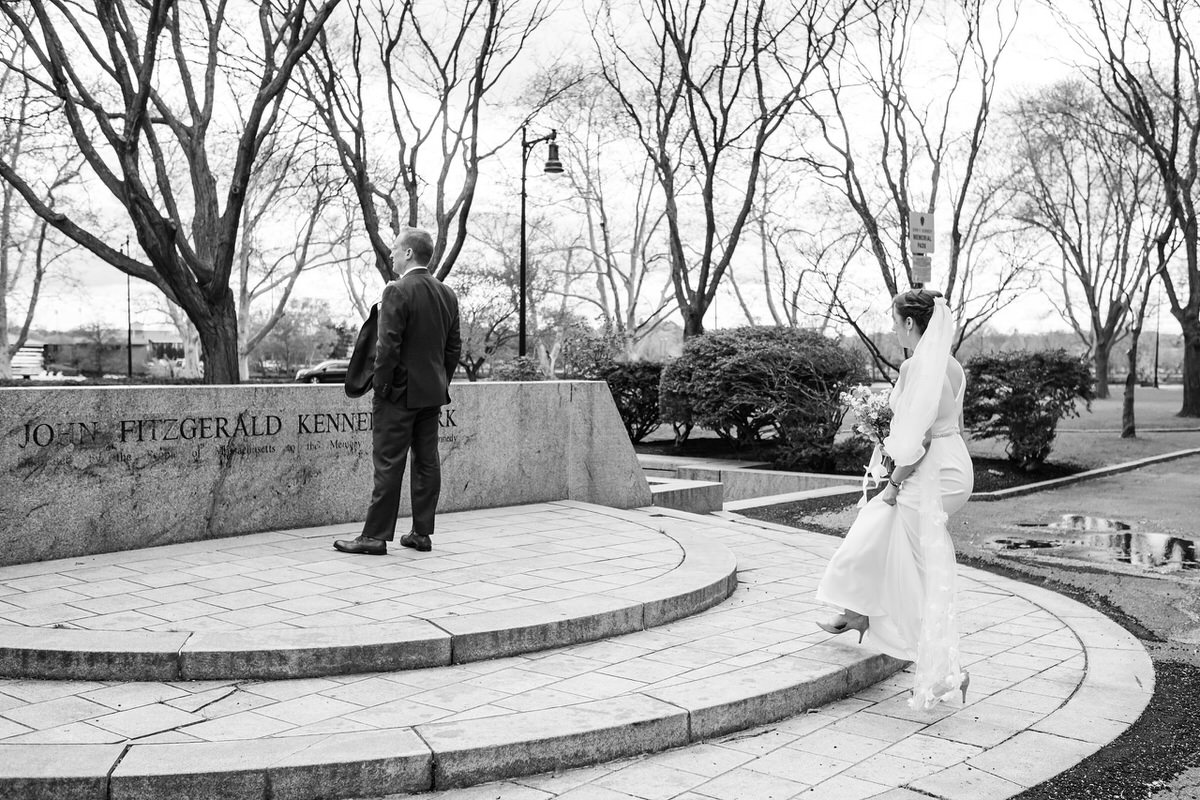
point(872, 414)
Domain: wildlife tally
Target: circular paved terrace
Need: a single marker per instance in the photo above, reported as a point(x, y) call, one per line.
point(1052, 681)
point(286, 604)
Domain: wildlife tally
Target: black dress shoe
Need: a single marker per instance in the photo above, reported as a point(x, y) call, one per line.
point(417, 541)
point(363, 544)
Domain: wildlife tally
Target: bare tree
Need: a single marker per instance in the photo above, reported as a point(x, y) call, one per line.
point(1147, 67)
point(140, 82)
point(284, 233)
point(487, 314)
point(101, 341)
point(705, 96)
point(622, 212)
point(495, 261)
point(1084, 183)
point(402, 94)
point(804, 255)
point(1137, 314)
point(927, 139)
point(28, 247)
point(304, 334)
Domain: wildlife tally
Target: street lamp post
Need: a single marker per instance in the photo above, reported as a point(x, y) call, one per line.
point(553, 167)
point(1157, 326)
point(128, 319)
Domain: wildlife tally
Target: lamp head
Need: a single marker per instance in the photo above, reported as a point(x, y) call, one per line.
point(553, 164)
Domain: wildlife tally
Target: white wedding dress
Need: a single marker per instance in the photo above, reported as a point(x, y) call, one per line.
point(896, 564)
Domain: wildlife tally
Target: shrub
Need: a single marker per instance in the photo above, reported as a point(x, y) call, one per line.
point(756, 383)
point(521, 368)
point(589, 354)
point(674, 399)
point(1020, 396)
point(634, 389)
point(848, 456)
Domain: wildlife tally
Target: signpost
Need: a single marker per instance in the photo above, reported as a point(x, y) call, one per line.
point(922, 270)
point(920, 245)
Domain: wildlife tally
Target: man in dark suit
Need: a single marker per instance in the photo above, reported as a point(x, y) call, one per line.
point(416, 353)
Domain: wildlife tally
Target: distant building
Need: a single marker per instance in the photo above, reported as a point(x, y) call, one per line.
point(106, 351)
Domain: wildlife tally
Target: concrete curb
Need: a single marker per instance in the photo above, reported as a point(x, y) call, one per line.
point(1101, 472)
point(705, 577)
point(1002, 494)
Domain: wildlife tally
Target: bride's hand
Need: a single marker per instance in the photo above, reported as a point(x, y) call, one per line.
point(889, 493)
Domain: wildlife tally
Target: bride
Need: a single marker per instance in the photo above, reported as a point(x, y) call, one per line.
point(894, 573)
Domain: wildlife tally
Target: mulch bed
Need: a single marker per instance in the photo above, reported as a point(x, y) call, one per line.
point(991, 474)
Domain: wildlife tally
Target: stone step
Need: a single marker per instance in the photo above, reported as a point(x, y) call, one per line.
point(1052, 680)
point(441, 755)
point(755, 658)
point(742, 480)
point(286, 605)
point(697, 497)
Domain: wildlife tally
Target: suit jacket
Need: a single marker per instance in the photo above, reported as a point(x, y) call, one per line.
point(360, 374)
point(418, 345)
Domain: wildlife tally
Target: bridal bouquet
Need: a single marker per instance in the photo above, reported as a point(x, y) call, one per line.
point(872, 414)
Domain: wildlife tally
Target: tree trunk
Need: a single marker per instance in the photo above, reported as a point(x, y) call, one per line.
point(1128, 426)
point(1191, 369)
point(218, 342)
point(5, 362)
point(693, 322)
point(471, 368)
point(1100, 362)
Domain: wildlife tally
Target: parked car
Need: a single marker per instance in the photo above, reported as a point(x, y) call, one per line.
point(333, 371)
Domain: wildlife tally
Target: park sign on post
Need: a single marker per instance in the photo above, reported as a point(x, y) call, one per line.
point(920, 233)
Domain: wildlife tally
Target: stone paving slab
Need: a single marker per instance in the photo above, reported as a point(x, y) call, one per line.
point(577, 703)
point(1029, 652)
point(284, 604)
point(1047, 668)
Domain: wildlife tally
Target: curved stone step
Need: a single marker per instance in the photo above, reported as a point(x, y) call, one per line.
point(602, 574)
point(753, 659)
point(463, 753)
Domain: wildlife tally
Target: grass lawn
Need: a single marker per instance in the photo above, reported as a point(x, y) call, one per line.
point(1153, 408)
point(1093, 439)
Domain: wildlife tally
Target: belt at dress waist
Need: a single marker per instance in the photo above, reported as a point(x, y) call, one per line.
point(942, 434)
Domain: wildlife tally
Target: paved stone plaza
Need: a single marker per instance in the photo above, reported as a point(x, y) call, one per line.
point(734, 695)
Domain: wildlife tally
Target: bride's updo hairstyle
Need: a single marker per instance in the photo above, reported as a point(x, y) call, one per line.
point(918, 304)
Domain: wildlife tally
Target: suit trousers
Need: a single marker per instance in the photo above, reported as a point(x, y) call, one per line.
point(398, 429)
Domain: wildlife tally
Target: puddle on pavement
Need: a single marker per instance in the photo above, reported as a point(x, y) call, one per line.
point(1080, 522)
point(1101, 540)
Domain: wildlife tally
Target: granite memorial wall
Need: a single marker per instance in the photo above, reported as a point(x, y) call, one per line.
point(96, 469)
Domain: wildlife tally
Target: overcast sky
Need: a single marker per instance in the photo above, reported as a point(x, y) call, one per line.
point(1038, 54)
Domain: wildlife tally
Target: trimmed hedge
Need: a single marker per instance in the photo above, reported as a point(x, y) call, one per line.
point(1021, 395)
point(634, 389)
point(757, 384)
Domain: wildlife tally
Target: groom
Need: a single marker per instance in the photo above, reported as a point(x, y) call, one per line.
point(415, 357)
